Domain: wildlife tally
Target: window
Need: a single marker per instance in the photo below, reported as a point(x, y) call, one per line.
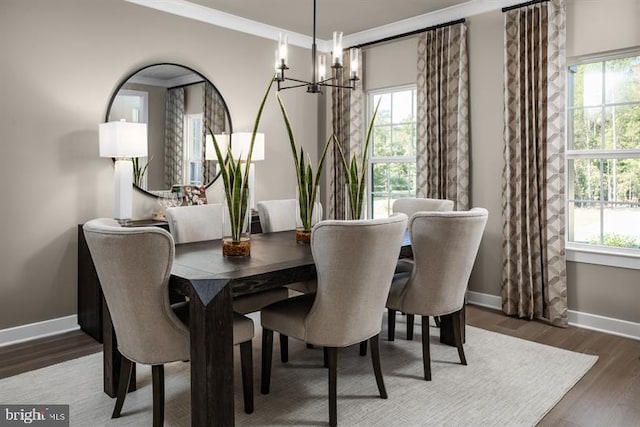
point(603, 155)
point(392, 159)
point(193, 149)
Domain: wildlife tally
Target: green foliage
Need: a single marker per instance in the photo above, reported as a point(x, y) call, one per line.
point(308, 181)
point(617, 240)
point(138, 173)
point(236, 183)
point(355, 174)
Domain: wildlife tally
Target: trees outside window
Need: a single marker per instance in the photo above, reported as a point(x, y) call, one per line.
point(603, 152)
point(392, 160)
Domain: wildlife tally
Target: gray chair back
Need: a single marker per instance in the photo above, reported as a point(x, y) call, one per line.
point(355, 261)
point(133, 266)
point(445, 245)
point(195, 223)
point(282, 215)
point(409, 206)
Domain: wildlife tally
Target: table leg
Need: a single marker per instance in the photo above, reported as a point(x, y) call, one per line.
point(211, 330)
point(446, 327)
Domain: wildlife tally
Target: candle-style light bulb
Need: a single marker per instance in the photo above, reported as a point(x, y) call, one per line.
point(277, 64)
point(322, 68)
point(353, 55)
point(283, 42)
point(337, 48)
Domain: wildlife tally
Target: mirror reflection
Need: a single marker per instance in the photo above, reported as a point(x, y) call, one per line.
point(178, 104)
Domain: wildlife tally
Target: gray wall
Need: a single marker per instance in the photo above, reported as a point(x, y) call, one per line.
point(606, 291)
point(61, 61)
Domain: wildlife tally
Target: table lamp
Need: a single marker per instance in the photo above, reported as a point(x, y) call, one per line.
point(240, 142)
point(122, 141)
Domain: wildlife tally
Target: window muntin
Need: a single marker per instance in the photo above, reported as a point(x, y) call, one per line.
point(603, 154)
point(392, 159)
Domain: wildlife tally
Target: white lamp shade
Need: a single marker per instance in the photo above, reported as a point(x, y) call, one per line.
point(240, 143)
point(209, 149)
point(123, 139)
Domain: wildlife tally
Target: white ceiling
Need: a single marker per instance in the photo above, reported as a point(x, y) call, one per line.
point(349, 16)
point(361, 21)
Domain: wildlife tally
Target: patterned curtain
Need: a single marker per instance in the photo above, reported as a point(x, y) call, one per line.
point(533, 275)
point(442, 142)
point(173, 137)
point(348, 111)
point(215, 117)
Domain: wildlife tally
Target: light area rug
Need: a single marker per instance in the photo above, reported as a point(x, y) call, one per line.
point(508, 382)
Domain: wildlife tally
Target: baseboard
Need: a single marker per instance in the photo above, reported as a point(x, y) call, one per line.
point(36, 330)
point(594, 322)
point(484, 300)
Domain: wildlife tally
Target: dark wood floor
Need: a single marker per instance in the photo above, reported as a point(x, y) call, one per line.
point(608, 395)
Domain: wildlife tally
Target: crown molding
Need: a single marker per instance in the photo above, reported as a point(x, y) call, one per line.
point(201, 13)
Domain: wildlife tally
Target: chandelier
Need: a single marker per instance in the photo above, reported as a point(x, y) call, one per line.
point(319, 77)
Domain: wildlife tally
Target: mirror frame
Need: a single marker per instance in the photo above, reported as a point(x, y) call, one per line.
point(205, 79)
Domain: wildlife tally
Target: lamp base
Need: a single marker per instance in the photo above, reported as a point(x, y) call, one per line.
point(123, 190)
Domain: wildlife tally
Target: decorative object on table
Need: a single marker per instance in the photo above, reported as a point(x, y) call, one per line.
point(239, 149)
point(236, 239)
point(308, 182)
point(355, 175)
point(193, 195)
point(167, 199)
point(122, 141)
point(318, 77)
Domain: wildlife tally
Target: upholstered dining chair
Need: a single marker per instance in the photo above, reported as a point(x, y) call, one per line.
point(409, 206)
point(133, 266)
point(355, 262)
point(204, 222)
point(280, 215)
point(445, 245)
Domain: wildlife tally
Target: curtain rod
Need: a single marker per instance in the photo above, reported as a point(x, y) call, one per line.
point(517, 6)
point(185, 85)
point(410, 33)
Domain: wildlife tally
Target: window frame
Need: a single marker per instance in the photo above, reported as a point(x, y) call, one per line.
point(188, 139)
point(592, 253)
point(371, 160)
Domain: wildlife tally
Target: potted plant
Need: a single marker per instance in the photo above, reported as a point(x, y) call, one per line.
point(307, 181)
point(236, 189)
point(355, 175)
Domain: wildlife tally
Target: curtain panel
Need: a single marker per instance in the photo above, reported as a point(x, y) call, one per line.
point(214, 117)
point(173, 140)
point(348, 113)
point(534, 266)
point(442, 140)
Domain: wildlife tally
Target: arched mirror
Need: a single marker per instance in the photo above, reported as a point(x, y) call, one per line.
point(178, 104)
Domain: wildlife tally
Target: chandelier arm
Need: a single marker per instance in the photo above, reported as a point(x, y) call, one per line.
point(295, 86)
point(297, 80)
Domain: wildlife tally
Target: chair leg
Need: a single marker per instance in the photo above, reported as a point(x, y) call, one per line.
point(246, 359)
point(333, 381)
point(363, 348)
point(157, 382)
point(377, 370)
point(284, 348)
point(325, 356)
point(426, 356)
point(437, 320)
point(410, 318)
point(126, 366)
point(457, 335)
point(267, 354)
point(391, 324)
point(309, 346)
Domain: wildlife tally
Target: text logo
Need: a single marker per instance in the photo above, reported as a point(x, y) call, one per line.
point(34, 415)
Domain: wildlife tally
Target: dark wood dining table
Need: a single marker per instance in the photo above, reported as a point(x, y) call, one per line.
point(210, 281)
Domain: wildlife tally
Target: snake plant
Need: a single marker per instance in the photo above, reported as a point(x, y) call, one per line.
point(236, 179)
point(355, 174)
point(308, 181)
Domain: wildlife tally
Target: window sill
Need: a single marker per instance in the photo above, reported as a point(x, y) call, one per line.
point(601, 256)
